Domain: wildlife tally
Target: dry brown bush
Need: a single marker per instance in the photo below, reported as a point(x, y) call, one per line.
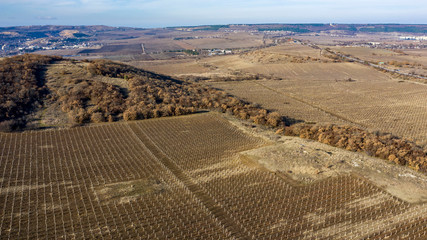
point(152, 95)
point(274, 119)
point(97, 117)
point(92, 97)
point(385, 146)
point(21, 88)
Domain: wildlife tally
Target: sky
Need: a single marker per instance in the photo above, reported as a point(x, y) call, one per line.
point(165, 13)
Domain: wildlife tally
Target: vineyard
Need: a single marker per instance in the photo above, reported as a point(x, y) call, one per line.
point(356, 95)
point(317, 91)
point(284, 104)
point(179, 178)
point(408, 61)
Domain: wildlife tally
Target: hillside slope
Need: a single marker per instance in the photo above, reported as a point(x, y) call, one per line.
point(37, 91)
point(21, 88)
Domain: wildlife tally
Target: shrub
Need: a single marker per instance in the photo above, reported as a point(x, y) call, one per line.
point(21, 88)
point(385, 146)
point(97, 117)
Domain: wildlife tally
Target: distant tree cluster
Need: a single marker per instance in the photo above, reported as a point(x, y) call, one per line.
point(404, 64)
point(334, 58)
point(21, 89)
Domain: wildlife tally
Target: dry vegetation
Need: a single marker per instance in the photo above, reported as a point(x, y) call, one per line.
point(147, 95)
point(385, 146)
point(153, 95)
point(90, 101)
point(21, 89)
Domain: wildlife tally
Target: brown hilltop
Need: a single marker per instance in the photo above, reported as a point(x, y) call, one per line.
point(45, 88)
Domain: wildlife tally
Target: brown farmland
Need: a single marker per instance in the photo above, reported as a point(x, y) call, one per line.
point(315, 90)
point(179, 178)
point(408, 61)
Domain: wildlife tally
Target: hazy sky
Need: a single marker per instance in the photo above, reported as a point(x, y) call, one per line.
point(161, 13)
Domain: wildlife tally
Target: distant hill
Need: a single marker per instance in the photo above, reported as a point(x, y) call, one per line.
point(314, 27)
point(55, 31)
point(350, 28)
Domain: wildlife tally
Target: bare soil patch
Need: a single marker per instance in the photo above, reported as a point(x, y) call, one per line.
point(130, 190)
point(309, 161)
point(305, 162)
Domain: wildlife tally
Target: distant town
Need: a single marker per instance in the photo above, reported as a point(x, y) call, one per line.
point(20, 40)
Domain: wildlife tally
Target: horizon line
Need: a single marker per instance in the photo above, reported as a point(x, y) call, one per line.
point(203, 25)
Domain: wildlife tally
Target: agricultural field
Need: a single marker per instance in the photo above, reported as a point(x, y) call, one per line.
point(226, 40)
point(288, 52)
point(387, 105)
point(284, 104)
point(180, 178)
point(397, 108)
point(337, 38)
point(287, 61)
point(406, 61)
point(158, 44)
point(97, 182)
point(315, 91)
